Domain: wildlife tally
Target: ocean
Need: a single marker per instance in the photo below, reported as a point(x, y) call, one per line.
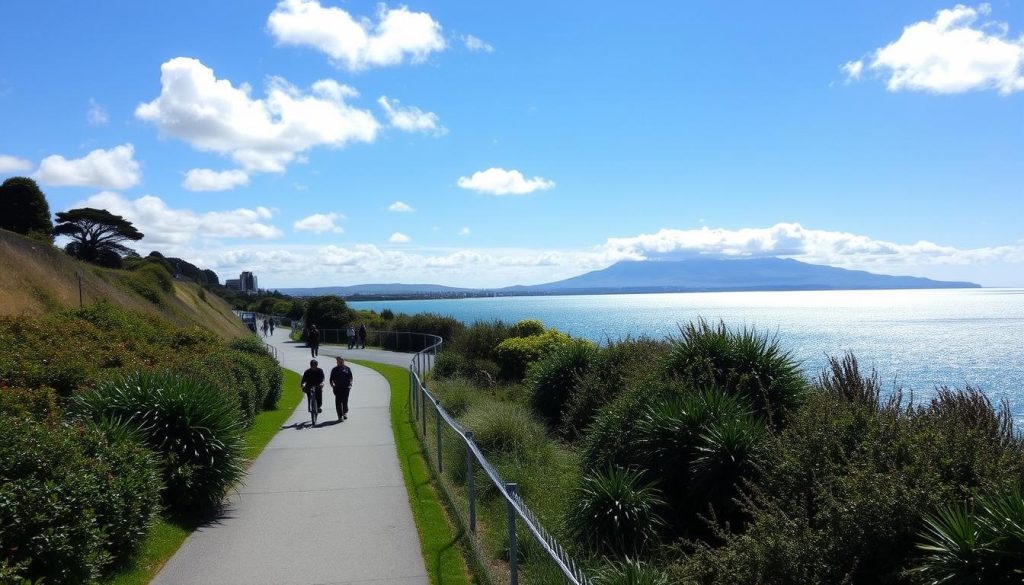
point(918, 339)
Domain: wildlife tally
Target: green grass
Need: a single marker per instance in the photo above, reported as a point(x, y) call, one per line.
point(166, 537)
point(439, 539)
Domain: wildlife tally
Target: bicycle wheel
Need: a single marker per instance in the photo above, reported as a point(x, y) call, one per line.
point(311, 402)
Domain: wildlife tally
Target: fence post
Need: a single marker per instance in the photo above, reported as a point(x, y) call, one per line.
point(471, 487)
point(513, 545)
point(437, 412)
point(423, 409)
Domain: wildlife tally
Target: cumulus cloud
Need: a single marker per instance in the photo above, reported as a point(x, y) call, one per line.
point(498, 181)
point(853, 70)
point(476, 44)
point(411, 118)
point(397, 35)
point(399, 207)
point(792, 240)
point(168, 228)
point(105, 169)
point(464, 231)
point(97, 114)
point(210, 180)
point(952, 53)
point(212, 115)
point(399, 238)
point(13, 164)
point(319, 223)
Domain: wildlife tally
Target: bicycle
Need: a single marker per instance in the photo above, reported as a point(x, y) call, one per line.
point(311, 403)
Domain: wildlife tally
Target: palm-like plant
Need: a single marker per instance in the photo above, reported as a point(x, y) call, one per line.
point(980, 545)
point(614, 512)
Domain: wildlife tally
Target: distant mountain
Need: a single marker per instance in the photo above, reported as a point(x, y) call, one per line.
point(706, 274)
point(376, 290)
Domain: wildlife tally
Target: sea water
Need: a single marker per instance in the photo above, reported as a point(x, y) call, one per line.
point(918, 339)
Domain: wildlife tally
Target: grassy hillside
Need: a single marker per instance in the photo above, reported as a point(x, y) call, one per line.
point(38, 279)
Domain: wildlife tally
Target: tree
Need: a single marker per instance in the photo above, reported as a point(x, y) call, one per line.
point(97, 235)
point(328, 312)
point(23, 209)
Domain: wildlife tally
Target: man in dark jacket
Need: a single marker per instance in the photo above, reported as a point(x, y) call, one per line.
point(313, 381)
point(341, 382)
point(313, 341)
point(362, 337)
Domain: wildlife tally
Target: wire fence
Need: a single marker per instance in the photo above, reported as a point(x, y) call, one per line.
point(469, 480)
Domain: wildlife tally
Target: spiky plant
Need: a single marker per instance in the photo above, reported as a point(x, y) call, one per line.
point(744, 363)
point(614, 511)
point(194, 428)
point(630, 572)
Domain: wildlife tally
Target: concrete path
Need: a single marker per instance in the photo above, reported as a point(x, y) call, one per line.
point(324, 505)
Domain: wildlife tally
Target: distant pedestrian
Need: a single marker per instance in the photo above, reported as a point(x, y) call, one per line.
point(341, 383)
point(266, 327)
point(313, 381)
point(362, 336)
point(351, 335)
point(271, 326)
point(313, 340)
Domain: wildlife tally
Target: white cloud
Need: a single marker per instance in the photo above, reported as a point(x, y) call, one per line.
point(953, 53)
point(106, 169)
point(319, 223)
point(168, 229)
point(464, 231)
point(792, 240)
point(411, 118)
point(498, 181)
point(399, 238)
point(212, 115)
point(210, 180)
point(853, 70)
point(356, 44)
point(96, 115)
point(476, 44)
point(13, 164)
point(399, 207)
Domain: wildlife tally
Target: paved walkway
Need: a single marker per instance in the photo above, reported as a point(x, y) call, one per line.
point(324, 505)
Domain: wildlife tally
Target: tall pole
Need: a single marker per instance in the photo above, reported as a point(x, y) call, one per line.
point(80, 303)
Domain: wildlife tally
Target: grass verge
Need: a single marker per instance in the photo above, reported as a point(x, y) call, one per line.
point(439, 539)
point(166, 536)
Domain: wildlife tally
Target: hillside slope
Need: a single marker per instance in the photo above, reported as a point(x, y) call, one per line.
point(36, 278)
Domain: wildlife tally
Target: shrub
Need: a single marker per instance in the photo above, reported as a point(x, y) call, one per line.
point(527, 328)
point(40, 404)
point(194, 428)
point(156, 272)
point(630, 572)
point(263, 366)
point(505, 428)
point(457, 395)
point(71, 501)
point(515, 354)
point(614, 368)
point(611, 441)
point(478, 341)
point(24, 210)
point(613, 511)
point(449, 364)
point(428, 323)
point(327, 312)
point(983, 545)
point(552, 379)
point(742, 363)
point(843, 379)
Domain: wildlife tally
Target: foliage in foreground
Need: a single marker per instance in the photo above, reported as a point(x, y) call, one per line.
point(194, 428)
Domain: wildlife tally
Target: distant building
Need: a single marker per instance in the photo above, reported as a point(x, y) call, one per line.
point(249, 285)
point(234, 284)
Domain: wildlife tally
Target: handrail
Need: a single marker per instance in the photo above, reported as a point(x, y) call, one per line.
point(517, 508)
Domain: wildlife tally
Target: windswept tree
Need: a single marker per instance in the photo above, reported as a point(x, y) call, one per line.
point(97, 235)
point(23, 209)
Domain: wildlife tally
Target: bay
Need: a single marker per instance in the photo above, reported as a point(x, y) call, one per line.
point(918, 339)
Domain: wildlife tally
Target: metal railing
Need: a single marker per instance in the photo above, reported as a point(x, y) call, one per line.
point(384, 339)
point(422, 402)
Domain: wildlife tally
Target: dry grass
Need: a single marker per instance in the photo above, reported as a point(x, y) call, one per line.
point(36, 278)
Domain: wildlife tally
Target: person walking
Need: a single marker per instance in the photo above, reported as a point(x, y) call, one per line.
point(313, 381)
point(351, 335)
point(362, 337)
point(313, 341)
point(341, 383)
point(266, 327)
point(271, 326)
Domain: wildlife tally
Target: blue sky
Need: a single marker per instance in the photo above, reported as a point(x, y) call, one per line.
point(488, 144)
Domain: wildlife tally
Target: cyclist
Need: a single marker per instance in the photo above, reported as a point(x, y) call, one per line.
point(313, 381)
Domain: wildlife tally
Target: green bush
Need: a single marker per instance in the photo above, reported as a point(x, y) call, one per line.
point(505, 428)
point(478, 341)
point(72, 503)
point(742, 363)
point(630, 572)
point(980, 545)
point(553, 378)
point(327, 312)
point(456, 395)
point(614, 512)
point(515, 354)
point(194, 428)
point(156, 273)
point(40, 404)
point(527, 328)
point(611, 441)
point(615, 367)
point(425, 323)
